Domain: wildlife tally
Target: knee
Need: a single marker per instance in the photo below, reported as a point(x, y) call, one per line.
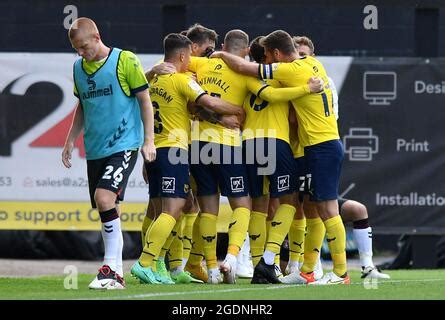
point(104, 199)
point(359, 211)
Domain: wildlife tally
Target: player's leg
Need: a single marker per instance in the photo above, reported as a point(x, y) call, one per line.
point(206, 178)
point(257, 227)
point(324, 161)
point(259, 193)
point(244, 267)
point(296, 240)
point(297, 232)
point(234, 185)
point(195, 258)
point(356, 212)
point(154, 204)
point(191, 211)
point(106, 190)
point(274, 204)
point(282, 187)
point(173, 189)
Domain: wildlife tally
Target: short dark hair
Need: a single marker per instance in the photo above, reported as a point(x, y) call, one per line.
point(197, 33)
point(236, 40)
point(256, 52)
point(280, 40)
point(173, 42)
point(304, 41)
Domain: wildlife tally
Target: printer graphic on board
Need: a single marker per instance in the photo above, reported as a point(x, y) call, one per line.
point(361, 144)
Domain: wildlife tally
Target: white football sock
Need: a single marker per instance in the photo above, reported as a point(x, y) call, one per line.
point(269, 257)
point(363, 240)
point(119, 264)
point(111, 233)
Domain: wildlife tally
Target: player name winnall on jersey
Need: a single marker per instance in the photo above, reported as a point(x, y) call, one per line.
point(215, 81)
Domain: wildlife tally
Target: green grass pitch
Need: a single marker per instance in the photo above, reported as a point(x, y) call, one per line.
point(404, 284)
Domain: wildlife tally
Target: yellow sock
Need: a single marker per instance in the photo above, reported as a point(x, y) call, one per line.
point(145, 225)
point(296, 239)
point(175, 257)
point(207, 226)
point(197, 250)
point(301, 259)
point(279, 227)
point(268, 225)
point(238, 229)
point(257, 235)
point(170, 239)
point(336, 239)
point(189, 220)
point(156, 237)
point(312, 243)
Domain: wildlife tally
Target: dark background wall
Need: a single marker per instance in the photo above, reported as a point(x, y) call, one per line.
point(406, 28)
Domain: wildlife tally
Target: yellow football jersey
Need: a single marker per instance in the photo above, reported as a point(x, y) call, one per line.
point(169, 95)
point(267, 119)
point(316, 119)
point(219, 80)
point(295, 145)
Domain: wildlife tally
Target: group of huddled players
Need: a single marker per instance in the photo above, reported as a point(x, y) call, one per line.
point(264, 134)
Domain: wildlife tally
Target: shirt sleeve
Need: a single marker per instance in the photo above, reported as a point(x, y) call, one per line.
point(134, 73)
point(271, 94)
point(191, 89)
point(282, 71)
point(334, 97)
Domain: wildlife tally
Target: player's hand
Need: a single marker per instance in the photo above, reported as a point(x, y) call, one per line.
point(148, 151)
point(230, 121)
point(144, 174)
point(315, 84)
point(216, 54)
point(194, 77)
point(164, 68)
point(66, 154)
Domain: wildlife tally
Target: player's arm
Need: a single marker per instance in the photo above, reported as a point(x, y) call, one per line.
point(334, 97)
point(76, 128)
point(203, 113)
point(135, 78)
point(195, 93)
point(162, 68)
point(148, 149)
point(272, 94)
point(219, 106)
point(238, 64)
